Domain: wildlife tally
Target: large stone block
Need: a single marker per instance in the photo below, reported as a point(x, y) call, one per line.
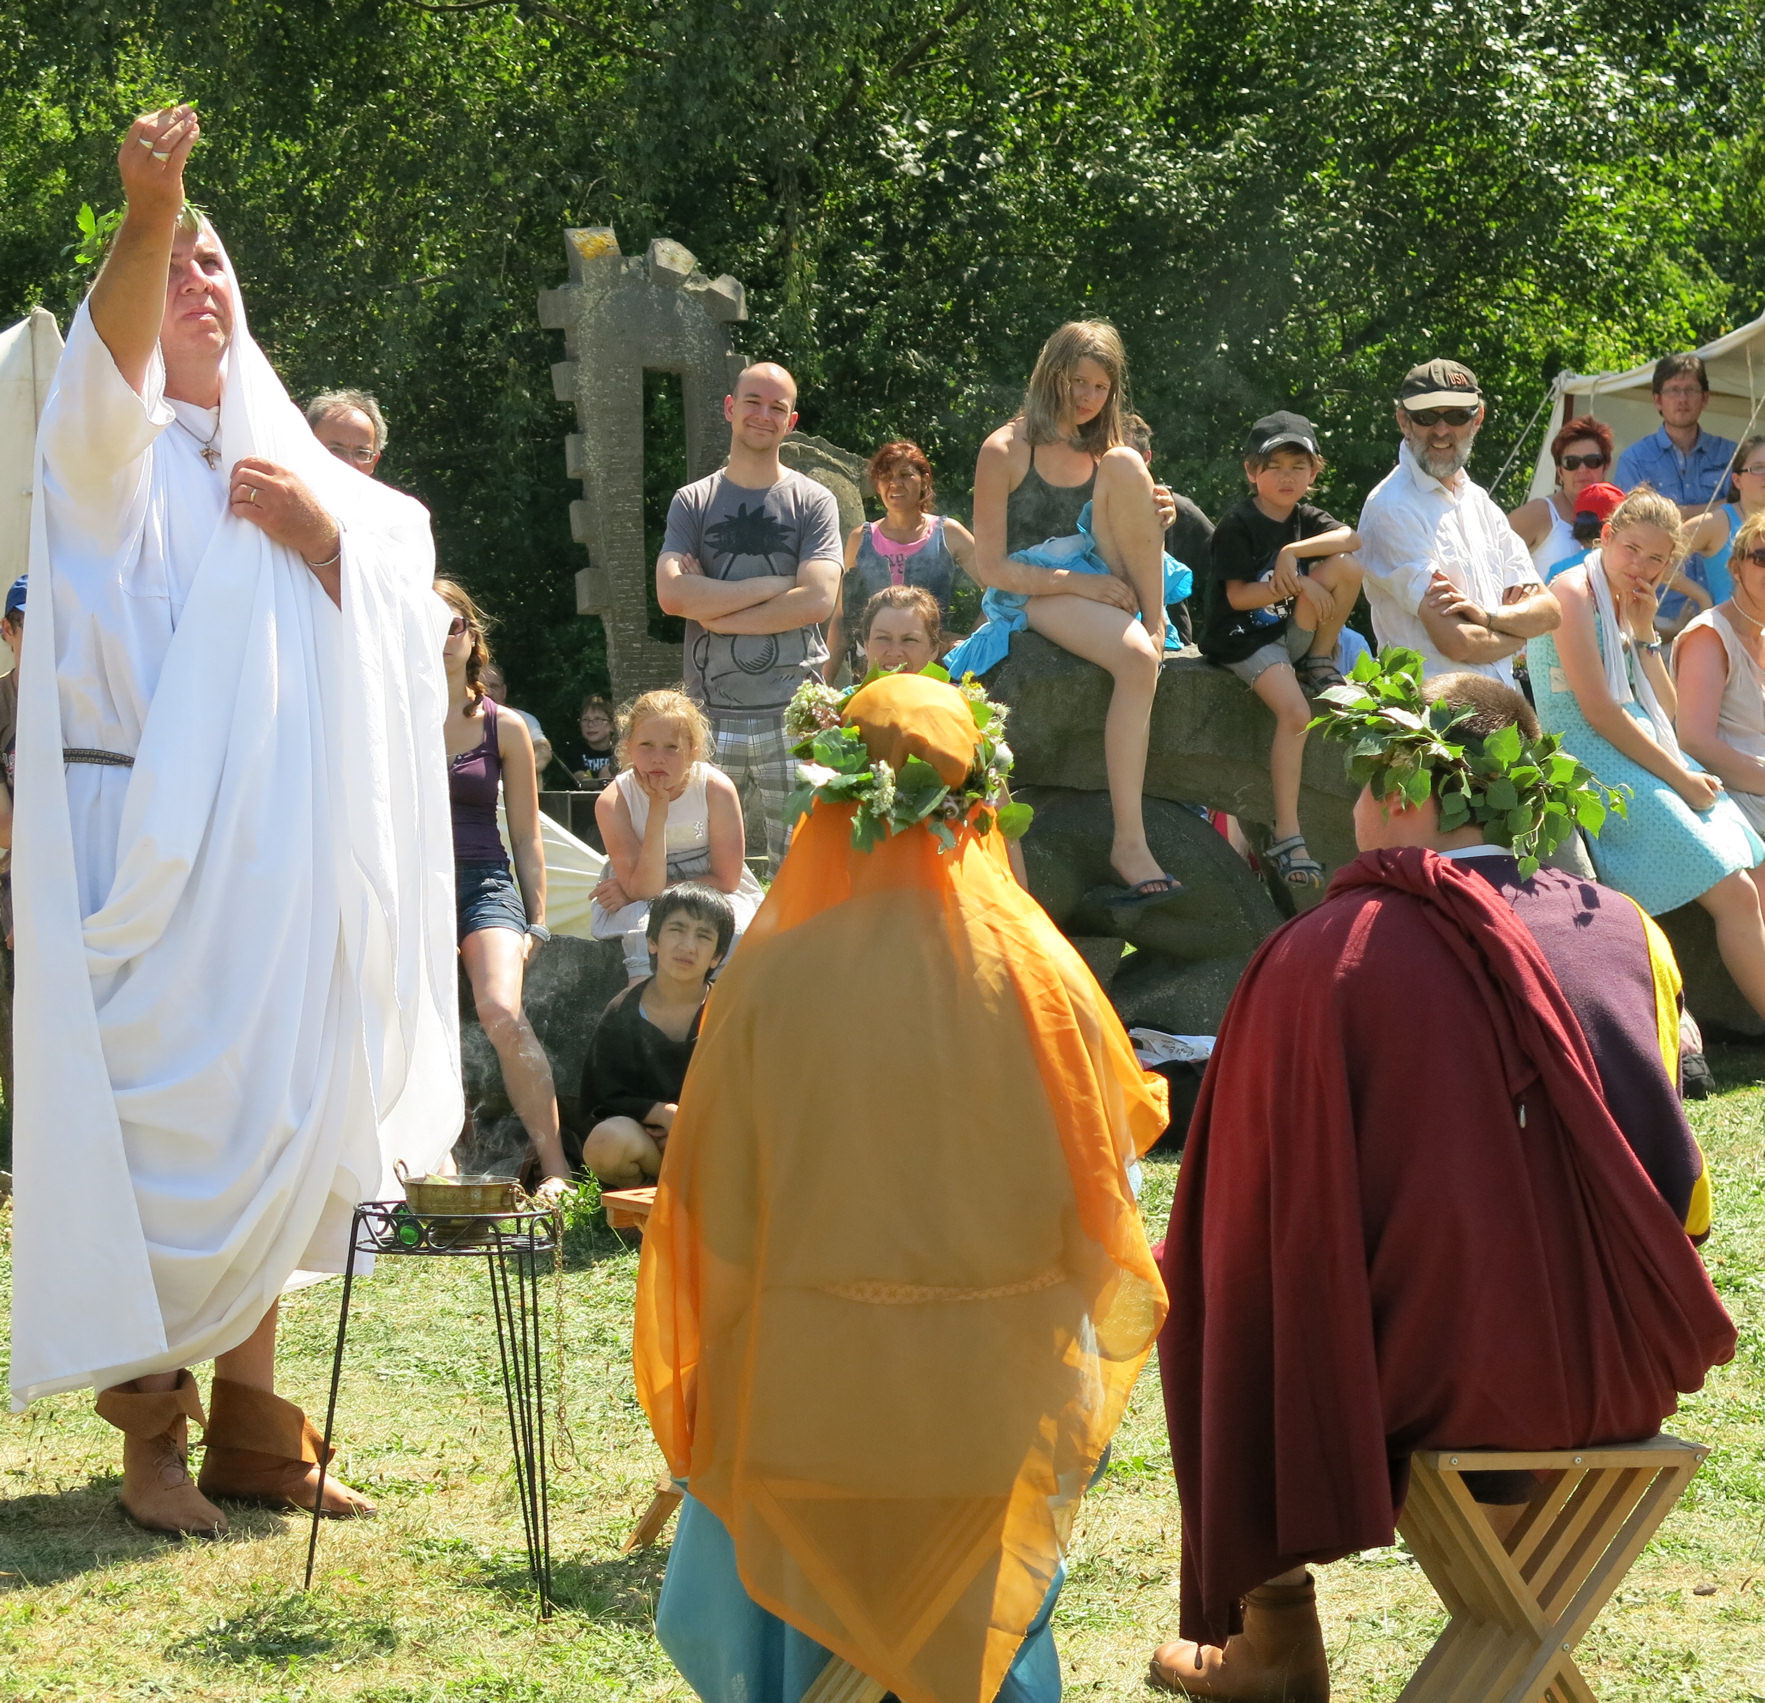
point(1209, 744)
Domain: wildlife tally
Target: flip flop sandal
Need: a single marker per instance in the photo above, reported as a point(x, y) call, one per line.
point(1154, 890)
point(1318, 674)
point(1301, 872)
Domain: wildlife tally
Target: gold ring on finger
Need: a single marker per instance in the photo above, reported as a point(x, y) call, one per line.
point(159, 156)
point(251, 493)
point(145, 141)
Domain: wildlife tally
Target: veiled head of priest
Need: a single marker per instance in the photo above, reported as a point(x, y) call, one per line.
point(1487, 706)
point(198, 323)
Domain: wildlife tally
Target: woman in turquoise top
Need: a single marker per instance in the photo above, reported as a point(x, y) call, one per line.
point(1712, 536)
point(1601, 683)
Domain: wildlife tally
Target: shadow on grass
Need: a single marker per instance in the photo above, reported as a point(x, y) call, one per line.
point(619, 1591)
point(289, 1625)
point(45, 1539)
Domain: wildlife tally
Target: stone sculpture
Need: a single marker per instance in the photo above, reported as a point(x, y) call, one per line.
point(623, 316)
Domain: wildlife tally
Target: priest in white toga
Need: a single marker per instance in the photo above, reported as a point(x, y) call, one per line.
point(236, 1000)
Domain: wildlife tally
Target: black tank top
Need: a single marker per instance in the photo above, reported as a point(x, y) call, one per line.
point(1037, 511)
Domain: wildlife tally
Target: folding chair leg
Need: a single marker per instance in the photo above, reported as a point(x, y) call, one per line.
point(650, 1523)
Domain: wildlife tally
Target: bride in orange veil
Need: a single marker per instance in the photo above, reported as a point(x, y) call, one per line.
point(895, 1291)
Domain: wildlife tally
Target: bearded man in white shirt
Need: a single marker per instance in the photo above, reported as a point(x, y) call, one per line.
point(1444, 572)
point(233, 859)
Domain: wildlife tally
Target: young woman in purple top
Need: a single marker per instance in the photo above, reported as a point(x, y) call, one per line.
point(499, 925)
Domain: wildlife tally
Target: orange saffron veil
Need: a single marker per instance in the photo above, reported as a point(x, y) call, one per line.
point(895, 1291)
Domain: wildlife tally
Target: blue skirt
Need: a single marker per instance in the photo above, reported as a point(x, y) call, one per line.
point(731, 1650)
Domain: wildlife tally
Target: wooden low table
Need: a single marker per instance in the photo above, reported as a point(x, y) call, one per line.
point(628, 1209)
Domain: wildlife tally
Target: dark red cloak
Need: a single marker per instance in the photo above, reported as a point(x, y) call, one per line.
point(1370, 1253)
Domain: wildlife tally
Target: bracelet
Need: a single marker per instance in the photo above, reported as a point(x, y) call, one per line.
point(330, 561)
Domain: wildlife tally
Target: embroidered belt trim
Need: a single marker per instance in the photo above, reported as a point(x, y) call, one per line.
point(104, 759)
point(881, 1294)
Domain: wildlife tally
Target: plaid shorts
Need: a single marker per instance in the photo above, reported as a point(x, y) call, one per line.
point(753, 751)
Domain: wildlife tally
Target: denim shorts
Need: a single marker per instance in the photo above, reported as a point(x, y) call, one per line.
point(1294, 643)
point(485, 896)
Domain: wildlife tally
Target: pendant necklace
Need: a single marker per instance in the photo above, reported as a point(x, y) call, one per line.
point(207, 451)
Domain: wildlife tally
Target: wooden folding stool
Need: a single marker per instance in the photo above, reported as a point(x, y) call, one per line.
point(628, 1209)
point(1520, 1605)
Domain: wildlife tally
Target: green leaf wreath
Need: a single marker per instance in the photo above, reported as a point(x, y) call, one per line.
point(835, 765)
point(1528, 794)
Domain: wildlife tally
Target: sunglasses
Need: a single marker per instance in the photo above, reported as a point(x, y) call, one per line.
point(1433, 416)
point(1756, 557)
point(1573, 463)
point(456, 626)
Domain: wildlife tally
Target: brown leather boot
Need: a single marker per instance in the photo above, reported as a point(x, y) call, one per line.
point(157, 1491)
point(263, 1449)
point(1277, 1658)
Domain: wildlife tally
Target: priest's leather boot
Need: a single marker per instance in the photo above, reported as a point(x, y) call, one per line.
point(157, 1490)
point(1277, 1658)
point(263, 1449)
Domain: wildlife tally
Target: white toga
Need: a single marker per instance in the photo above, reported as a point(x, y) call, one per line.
point(236, 993)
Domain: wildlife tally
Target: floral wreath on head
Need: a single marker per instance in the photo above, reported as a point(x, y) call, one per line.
point(835, 765)
point(1527, 794)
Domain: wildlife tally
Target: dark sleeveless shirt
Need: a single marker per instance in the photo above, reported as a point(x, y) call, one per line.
point(1037, 511)
point(472, 779)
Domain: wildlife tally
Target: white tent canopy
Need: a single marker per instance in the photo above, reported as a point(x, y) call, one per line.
point(1625, 401)
point(29, 352)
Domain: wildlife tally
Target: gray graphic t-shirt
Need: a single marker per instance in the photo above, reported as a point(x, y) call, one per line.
point(737, 533)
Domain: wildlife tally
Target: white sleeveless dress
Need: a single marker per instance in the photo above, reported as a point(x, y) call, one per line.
point(687, 838)
point(1740, 719)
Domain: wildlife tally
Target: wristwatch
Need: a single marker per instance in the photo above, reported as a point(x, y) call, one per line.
point(539, 932)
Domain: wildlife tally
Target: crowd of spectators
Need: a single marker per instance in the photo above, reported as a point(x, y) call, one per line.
point(1573, 598)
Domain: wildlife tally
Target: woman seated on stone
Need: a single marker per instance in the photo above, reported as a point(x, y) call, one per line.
point(668, 817)
point(1719, 673)
point(909, 546)
point(1035, 476)
point(1601, 683)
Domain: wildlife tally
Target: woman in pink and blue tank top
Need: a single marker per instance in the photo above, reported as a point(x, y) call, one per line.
point(501, 913)
point(910, 545)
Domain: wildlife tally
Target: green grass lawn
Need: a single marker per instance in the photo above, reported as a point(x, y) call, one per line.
point(427, 1603)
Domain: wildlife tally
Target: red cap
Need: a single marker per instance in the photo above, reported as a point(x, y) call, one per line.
point(1600, 500)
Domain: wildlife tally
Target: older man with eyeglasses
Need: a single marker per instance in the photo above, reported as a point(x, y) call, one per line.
point(349, 424)
point(1444, 572)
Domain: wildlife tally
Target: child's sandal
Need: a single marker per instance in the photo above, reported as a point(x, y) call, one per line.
point(1302, 872)
point(1317, 674)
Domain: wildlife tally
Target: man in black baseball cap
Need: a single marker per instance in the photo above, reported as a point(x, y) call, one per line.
point(1439, 384)
point(1445, 574)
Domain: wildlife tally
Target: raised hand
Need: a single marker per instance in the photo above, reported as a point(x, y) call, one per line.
point(151, 160)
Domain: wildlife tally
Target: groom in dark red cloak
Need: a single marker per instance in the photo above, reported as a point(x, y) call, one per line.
point(1407, 1218)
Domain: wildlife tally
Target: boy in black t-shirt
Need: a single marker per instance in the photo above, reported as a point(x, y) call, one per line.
point(637, 1060)
point(1281, 584)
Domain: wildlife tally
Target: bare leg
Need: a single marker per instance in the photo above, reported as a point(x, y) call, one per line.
point(1341, 576)
point(1740, 934)
point(493, 961)
point(1115, 640)
point(1278, 687)
point(622, 1153)
point(1124, 521)
point(253, 1362)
